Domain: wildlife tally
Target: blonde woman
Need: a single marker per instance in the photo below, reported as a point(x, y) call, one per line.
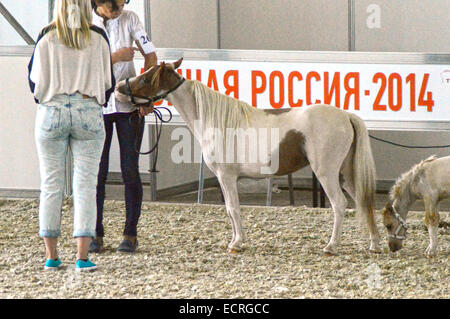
point(71, 78)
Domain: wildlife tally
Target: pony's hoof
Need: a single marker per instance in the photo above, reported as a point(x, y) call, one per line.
point(430, 253)
point(375, 250)
point(234, 251)
point(330, 250)
point(329, 254)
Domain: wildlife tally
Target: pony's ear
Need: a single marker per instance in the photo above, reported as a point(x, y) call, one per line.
point(163, 65)
point(177, 63)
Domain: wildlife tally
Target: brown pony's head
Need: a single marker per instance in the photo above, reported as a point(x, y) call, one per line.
point(393, 225)
point(156, 80)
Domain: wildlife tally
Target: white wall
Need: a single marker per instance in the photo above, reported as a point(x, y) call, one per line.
point(404, 25)
point(184, 24)
point(19, 168)
point(284, 25)
point(32, 16)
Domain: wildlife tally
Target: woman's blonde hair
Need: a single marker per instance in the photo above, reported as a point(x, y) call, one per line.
point(72, 19)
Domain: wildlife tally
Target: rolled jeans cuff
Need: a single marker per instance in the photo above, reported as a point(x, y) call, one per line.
point(84, 233)
point(50, 233)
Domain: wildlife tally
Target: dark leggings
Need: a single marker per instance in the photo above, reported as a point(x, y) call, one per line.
point(129, 164)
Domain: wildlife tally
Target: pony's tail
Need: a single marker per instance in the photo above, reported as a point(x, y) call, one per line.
point(364, 173)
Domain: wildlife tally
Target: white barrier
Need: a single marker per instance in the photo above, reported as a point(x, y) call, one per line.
point(391, 91)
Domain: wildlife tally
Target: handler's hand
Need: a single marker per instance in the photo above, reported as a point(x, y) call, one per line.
point(126, 54)
point(143, 110)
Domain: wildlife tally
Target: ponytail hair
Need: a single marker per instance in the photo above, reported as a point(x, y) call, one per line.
point(73, 19)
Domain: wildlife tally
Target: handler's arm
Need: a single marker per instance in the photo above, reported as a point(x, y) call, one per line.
point(150, 58)
point(115, 58)
point(124, 54)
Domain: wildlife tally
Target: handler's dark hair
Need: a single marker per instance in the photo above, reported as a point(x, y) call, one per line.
point(96, 3)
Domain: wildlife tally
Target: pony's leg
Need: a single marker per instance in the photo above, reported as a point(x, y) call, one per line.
point(331, 186)
point(347, 180)
point(432, 222)
point(327, 170)
point(230, 192)
point(374, 234)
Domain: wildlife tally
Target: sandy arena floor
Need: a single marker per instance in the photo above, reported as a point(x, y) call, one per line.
point(182, 254)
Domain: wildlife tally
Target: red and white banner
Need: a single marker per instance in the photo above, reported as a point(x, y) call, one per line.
point(386, 92)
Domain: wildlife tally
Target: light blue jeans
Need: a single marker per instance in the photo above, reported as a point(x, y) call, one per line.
point(69, 120)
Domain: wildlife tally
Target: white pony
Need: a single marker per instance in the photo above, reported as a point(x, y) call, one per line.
point(334, 142)
point(429, 180)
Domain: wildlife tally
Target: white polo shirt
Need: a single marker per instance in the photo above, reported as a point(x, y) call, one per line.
point(122, 33)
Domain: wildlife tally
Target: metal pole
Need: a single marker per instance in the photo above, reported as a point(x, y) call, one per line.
point(314, 189)
point(351, 25)
point(201, 179)
point(221, 194)
point(151, 138)
point(218, 25)
point(269, 191)
point(322, 197)
point(154, 173)
point(148, 23)
point(16, 25)
point(291, 190)
point(51, 6)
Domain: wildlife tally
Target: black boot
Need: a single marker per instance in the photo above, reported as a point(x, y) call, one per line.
point(128, 245)
point(96, 245)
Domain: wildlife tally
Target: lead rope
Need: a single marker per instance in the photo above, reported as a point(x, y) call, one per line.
point(137, 127)
point(156, 112)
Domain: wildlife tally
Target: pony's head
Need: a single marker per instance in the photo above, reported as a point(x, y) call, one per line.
point(156, 80)
point(395, 225)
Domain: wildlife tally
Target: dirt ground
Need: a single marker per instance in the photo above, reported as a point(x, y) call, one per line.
point(182, 254)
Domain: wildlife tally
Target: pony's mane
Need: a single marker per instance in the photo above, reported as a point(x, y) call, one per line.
point(220, 111)
point(404, 182)
point(154, 81)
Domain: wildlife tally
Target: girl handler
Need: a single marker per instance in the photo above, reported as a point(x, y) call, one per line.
point(124, 29)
